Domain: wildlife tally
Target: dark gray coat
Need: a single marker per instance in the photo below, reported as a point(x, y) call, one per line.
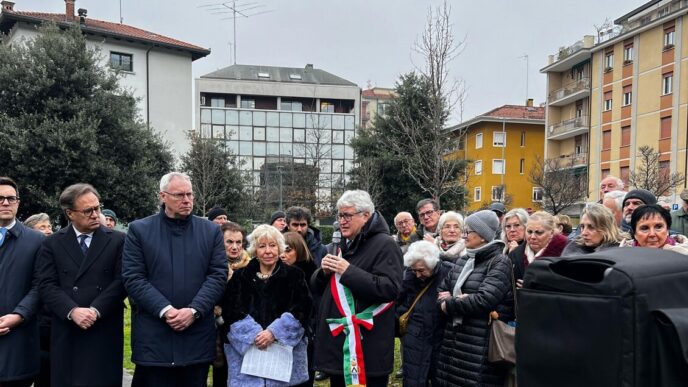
point(68, 280)
point(462, 357)
point(425, 327)
point(19, 350)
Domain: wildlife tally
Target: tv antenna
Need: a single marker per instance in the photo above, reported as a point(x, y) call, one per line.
point(525, 56)
point(233, 8)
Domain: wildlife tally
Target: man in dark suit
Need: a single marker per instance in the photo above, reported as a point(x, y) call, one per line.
point(19, 245)
point(81, 283)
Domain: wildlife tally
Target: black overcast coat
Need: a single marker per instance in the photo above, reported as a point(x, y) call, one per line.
point(462, 357)
point(373, 277)
point(67, 280)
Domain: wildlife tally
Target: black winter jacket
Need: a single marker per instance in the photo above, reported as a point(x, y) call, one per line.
point(462, 359)
point(374, 277)
point(425, 327)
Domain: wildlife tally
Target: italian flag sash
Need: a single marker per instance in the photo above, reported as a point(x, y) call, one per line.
point(350, 323)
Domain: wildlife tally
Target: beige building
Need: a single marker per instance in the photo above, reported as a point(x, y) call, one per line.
point(374, 102)
point(625, 88)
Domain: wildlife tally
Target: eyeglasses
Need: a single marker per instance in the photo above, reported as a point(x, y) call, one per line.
point(87, 212)
point(181, 195)
point(426, 213)
point(466, 232)
point(536, 232)
point(405, 221)
point(347, 217)
point(10, 199)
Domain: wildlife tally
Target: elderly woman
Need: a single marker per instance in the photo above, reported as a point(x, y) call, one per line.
point(542, 240)
point(598, 231)
point(40, 222)
point(424, 271)
point(650, 226)
point(514, 229)
point(266, 302)
point(479, 284)
point(449, 240)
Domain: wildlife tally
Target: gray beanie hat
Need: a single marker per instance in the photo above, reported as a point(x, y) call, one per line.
point(485, 223)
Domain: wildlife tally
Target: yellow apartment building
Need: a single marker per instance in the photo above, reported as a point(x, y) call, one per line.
point(623, 88)
point(502, 146)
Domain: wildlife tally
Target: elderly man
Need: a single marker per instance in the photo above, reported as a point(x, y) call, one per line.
point(81, 284)
point(218, 215)
point(175, 270)
point(614, 201)
point(406, 230)
point(633, 200)
point(360, 281)
point(610, 183)
point(299, 220)
point(110, 219)
point(428, 214)
point(19, 246)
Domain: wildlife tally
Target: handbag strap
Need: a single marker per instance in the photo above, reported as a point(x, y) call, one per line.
point(418, 297)
point(513, 286)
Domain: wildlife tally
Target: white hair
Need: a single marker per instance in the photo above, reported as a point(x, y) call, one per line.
point(422, 250)
point(618, 197)
point(356, 198)
point(619, 182)
point(519, 213)
point(165, 181)
point(399, 215)
point(447, 216)
point(265, 231)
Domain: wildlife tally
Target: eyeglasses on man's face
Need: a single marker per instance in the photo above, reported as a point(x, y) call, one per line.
point(180, 195)
point(10, 199)
point(405, 221)
point(347, 217)
point(87, 212)
point(427, 213)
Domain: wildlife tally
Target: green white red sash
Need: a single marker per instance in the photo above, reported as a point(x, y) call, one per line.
point(350, 323)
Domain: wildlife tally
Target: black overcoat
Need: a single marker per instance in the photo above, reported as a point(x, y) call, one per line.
point(91, 357)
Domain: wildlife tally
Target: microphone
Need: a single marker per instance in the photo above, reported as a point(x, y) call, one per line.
point(336, 239)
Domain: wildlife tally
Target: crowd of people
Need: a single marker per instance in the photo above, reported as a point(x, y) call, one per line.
point(205, 291)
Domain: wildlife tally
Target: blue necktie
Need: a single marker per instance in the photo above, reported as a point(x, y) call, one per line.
point(82, 243)
point(3, 232)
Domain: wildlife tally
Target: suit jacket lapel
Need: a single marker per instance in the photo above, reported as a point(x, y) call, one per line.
point(100, 239)
point(71, 245)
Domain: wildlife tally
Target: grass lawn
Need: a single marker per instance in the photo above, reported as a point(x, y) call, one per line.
point(129, 366)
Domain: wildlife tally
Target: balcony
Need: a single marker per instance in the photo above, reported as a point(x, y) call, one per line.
point(574, 160)
point(567, 57)
point(572, 92)
point(652, 16)
point(569, 128)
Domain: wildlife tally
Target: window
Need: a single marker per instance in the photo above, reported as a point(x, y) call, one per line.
point(498, 167)
point(263, 75)
point(295, 76)
point(606, 139)
point(626, 136)
point(609, 61)
point(579, 109)
point(478, 141)
point(667, 83)
point(217, 102)
point(605, 173)
point(664, 168)
point(628, 54)
point(627, 97)
point(382, 109)
point(498, 139)
point(120, 61)
point(665, 128)
point(478, 167)
point(497, 193)
point(624, 173)
point(607, 101)
point(248, 103)
point(523, 138)
point(669, 37)
point(327, 107)
point(477, 194)
point(522, 166)
point(538, 194)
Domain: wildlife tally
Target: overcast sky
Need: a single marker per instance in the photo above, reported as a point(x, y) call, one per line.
point(370, 41)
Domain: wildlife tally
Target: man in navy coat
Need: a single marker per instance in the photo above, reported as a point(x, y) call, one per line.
point(19, 245)
point(81, 284)
point(174, 269)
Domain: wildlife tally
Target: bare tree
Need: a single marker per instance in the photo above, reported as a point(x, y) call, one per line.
point(650, 174)
point(561, 185)
point(426, 145)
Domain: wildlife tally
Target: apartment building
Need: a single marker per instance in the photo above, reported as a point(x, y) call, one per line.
point(502, 146)
point(156, 68)
point(624, 88)
point(290, 127)
point(374, 103)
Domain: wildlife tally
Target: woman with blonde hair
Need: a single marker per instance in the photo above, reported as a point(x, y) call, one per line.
point(598, 231)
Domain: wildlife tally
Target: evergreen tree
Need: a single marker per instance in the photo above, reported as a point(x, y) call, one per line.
point(64, 119)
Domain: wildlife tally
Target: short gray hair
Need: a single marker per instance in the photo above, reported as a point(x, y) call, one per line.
point(519, 213)
point(70, 194)
point(422, 250)
point(396, 218)
point(356, 198)
point(165, 180)
point(618, 197)
point(265, 231)
point(447, 216)
point(34, 219)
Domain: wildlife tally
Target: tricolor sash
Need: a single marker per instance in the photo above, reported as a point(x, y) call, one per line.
point(350, 323)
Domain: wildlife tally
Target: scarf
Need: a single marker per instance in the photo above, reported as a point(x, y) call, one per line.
point(406, 238)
